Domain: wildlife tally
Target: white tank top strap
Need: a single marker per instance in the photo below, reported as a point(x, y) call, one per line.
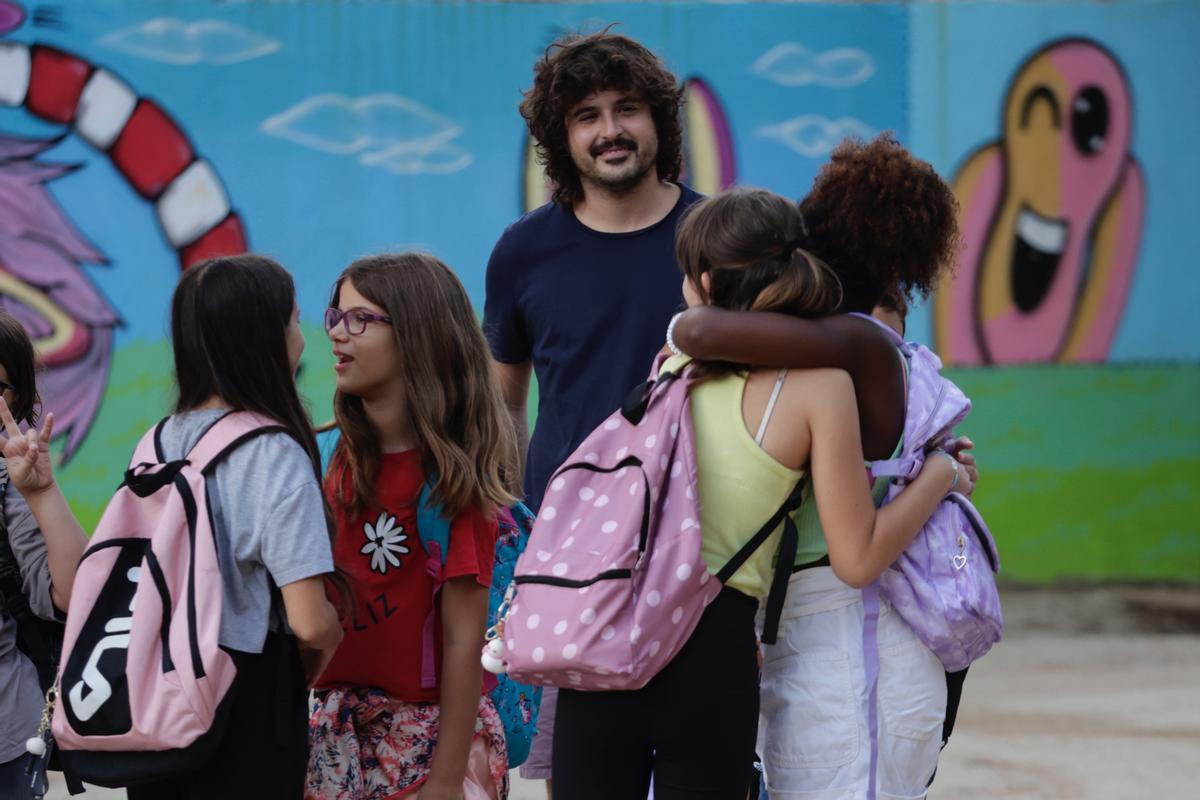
point(766, 418)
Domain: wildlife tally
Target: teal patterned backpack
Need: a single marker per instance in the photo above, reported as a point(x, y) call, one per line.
point(516, 703)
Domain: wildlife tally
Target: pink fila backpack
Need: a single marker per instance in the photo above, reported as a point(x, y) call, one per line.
point(142, 681)
point(612, 583)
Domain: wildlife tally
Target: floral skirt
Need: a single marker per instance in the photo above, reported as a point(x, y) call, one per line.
point(363, 745)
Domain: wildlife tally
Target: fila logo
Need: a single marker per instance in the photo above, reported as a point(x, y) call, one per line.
point(98, 688)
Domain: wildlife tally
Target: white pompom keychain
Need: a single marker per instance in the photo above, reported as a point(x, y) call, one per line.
point(493, 647)
point(491, 658)
point(36, 745)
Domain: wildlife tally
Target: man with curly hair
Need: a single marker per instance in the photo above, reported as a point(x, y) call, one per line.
point(581, 289)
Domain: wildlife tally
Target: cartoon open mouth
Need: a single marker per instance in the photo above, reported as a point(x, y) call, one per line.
point(1039, 246)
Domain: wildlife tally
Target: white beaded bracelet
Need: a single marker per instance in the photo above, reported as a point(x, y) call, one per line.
point(671, 335)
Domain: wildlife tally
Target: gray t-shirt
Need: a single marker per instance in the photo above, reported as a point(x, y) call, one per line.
point(20, 695)
point(268, 518)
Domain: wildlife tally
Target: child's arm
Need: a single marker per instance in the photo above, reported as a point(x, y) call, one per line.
point(314, 621)
point(28, 458)
point(765, 339)
point(779, 340)
point(862, 542)
point(464, 620)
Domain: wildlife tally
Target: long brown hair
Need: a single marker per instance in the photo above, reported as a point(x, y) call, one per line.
point(451, 396)
point(576, 66)
point(749, 243)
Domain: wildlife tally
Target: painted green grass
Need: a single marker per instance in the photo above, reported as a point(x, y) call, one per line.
point(1088, 472)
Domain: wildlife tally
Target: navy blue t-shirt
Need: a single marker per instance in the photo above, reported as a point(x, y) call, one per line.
point(590, 309)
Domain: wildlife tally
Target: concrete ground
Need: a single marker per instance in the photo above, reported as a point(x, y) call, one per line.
point(1095, 693)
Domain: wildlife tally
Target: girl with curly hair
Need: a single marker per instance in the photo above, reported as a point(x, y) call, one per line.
point(885, 224)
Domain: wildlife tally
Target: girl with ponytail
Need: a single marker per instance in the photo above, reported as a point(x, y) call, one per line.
point(884, 223)
point(740, 251)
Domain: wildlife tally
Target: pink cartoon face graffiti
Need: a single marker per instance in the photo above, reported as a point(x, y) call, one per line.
point(1051, 219)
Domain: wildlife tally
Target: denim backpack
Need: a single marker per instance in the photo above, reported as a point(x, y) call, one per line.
point(944, 584)
point(516, 703)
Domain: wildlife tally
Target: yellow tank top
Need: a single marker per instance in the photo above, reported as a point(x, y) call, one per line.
point(740, 486)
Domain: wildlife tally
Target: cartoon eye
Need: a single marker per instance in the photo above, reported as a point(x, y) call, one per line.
point(1089, 120)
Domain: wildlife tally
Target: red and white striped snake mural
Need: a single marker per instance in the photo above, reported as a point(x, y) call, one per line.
point(42, 255)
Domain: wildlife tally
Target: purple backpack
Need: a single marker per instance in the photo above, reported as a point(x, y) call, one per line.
point(944, 584)
point(612, 583)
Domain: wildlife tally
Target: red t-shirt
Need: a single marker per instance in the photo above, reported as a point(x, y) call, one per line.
point(382, 556)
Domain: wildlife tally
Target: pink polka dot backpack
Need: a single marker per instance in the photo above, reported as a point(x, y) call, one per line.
point(612, 582)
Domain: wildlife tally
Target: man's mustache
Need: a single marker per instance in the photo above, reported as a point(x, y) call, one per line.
point(612, 144)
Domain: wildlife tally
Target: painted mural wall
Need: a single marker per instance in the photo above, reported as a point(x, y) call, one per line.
point(139, 137)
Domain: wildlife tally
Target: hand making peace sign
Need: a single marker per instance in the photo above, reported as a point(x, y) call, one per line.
point(27, 454)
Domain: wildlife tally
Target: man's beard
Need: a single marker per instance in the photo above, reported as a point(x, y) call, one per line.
point(624, 183)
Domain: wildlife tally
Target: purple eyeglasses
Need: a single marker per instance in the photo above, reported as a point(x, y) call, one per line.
point(354, 321)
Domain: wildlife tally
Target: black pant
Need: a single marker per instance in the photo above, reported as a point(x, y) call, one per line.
point(693, 725)
point(264, 750)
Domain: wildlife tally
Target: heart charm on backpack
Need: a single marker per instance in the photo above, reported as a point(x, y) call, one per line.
point(944, 583)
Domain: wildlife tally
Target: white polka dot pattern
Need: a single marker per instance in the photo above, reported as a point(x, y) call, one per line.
point(637, 607)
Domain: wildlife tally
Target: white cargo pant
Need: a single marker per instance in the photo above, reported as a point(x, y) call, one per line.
point(814, 736)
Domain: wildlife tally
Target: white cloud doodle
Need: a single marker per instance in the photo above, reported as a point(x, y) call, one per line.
point(815, 136)
point(177, 41)
point(791, 64)
point(384, 130)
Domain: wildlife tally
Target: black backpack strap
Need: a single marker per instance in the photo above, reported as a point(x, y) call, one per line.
point(779, 583)
point(783, 565)
point(954, 687)
point(283, 683)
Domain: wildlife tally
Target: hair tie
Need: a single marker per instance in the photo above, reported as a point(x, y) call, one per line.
point(792, 247)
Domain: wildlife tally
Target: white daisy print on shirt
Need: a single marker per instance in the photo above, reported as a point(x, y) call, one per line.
point(384, 540)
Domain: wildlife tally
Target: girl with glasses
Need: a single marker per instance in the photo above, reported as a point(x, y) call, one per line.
point(416, 404)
